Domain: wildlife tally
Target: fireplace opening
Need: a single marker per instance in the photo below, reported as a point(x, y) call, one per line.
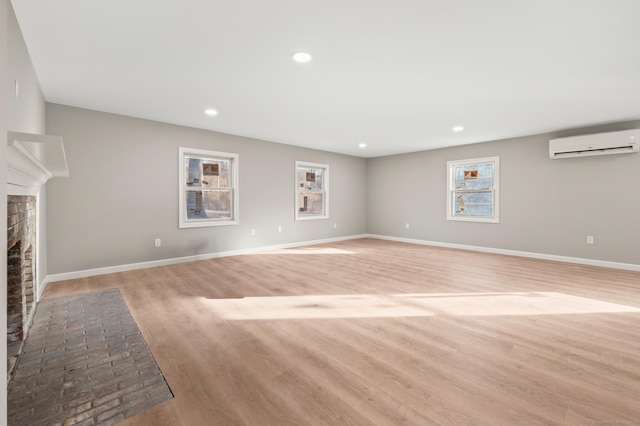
point(21, 299)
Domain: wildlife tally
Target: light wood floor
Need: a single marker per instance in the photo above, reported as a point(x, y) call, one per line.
point(377, 332)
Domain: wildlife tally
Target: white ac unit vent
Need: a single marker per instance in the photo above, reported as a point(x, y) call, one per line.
point(622, 142)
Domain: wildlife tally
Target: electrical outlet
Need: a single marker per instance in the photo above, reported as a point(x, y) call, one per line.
point(406, 225)
point(157, 242)
point(279, 229)
point(253, 232)
point(589, 239)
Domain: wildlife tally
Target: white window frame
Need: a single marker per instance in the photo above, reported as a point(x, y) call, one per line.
point(183, 221)
point(325, 190)
point(451, 190)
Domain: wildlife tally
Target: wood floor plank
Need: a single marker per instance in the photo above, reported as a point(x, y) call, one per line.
point(377, 332)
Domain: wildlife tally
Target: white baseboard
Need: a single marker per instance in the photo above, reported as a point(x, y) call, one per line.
point(577, 260)
point(151, 264)
point(163, 262)
point(41, 289)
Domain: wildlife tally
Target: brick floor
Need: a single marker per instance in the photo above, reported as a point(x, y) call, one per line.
point(84, 362)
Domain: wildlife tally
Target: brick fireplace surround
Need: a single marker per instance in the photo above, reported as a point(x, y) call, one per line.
point(21, 234)
point(32, 159)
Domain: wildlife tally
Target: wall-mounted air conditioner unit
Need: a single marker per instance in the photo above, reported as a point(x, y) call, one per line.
point(622, 142)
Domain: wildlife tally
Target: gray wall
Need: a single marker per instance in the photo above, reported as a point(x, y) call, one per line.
point(546, 206)
point(3, 211)
point(123, 192)
point(27, 112)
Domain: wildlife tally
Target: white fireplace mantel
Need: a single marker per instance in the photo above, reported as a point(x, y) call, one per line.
point(32, 160)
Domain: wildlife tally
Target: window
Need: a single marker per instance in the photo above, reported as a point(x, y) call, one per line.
point(312, 191)
point(208, 188)
point(472, 190)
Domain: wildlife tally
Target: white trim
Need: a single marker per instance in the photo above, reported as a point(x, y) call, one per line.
point(451, 165)
point(34, 159)
point(41, 289)
point(552, 257)
point(36, 252)
point(325, 190)
point(22, 190)
point(163, 262)
point(183, 222)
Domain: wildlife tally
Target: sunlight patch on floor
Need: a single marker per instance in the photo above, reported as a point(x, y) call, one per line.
point(409, 305)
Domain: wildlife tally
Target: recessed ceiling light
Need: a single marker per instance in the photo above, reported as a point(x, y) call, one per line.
point(457, 128)
point(362, 145)
point(211, 112)
point(301, 57)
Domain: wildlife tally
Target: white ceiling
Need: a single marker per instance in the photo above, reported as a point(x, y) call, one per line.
point(396, 75)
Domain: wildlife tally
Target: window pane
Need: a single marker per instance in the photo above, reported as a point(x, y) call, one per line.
point(208, 188)
point(207, 173)
point(473, 203)
point(477, 176)
point(473, 189)
point(311, 203)
point(211, 204)
point(310, 179)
